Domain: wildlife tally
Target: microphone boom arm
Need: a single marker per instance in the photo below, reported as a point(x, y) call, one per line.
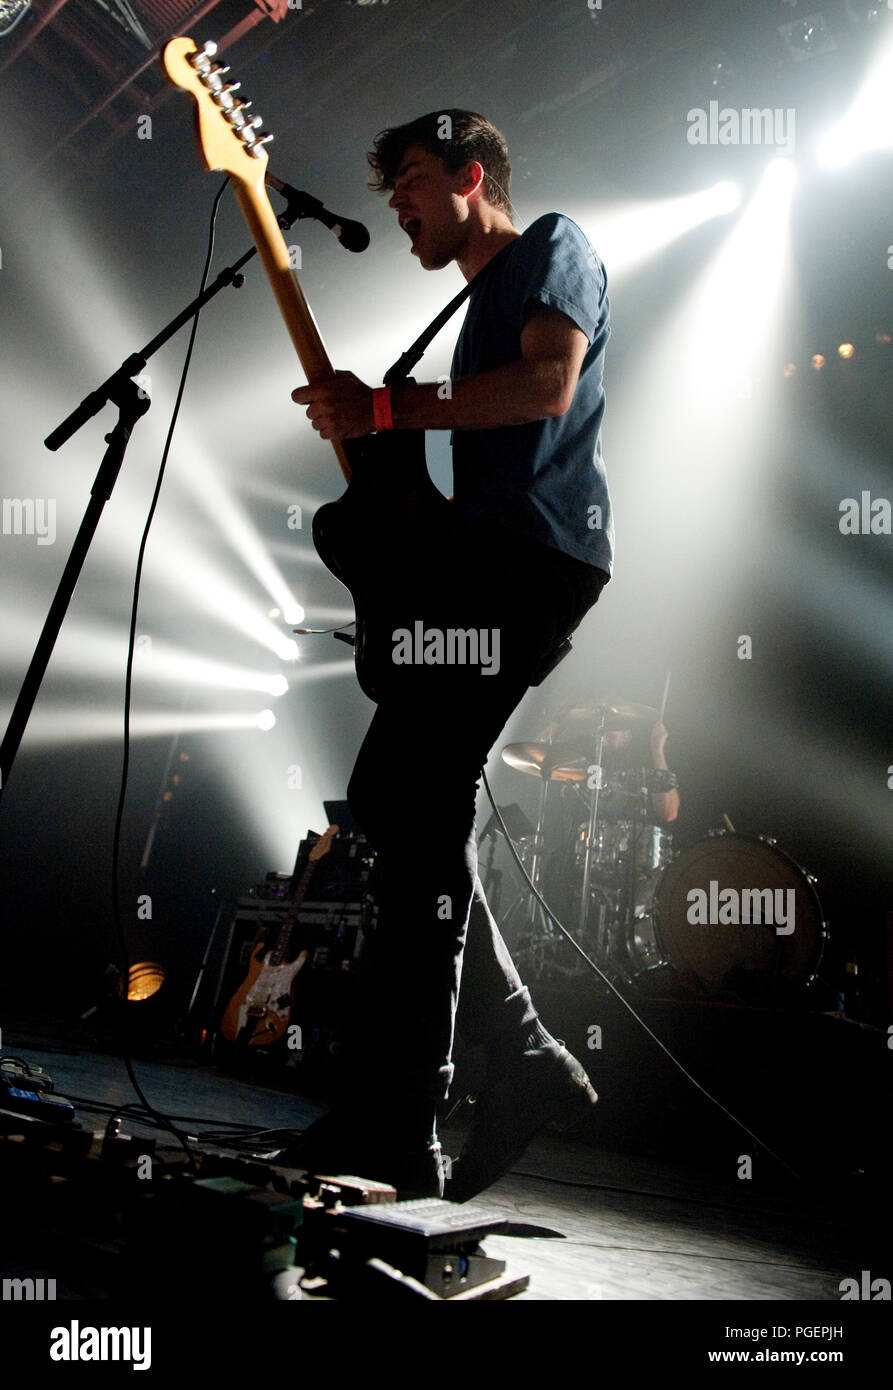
point(353, 236)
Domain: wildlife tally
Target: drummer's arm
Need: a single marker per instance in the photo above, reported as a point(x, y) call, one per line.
point(665, 805)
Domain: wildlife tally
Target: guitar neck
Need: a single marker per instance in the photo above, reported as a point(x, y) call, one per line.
point(228, 141)
point(291, 915)
point(295, 310)
point(318, 851)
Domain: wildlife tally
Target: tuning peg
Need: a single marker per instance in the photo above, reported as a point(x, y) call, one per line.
point(201, 59)
point(213, 80)
point(247, 128)
point(225, 99)
point(236, 116)
point(264, 140)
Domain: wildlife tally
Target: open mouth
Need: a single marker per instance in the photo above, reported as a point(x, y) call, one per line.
point(412, 226)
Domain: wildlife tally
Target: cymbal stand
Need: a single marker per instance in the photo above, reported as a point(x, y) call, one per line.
point(639, 826)
point(535, 915)
point(594, 780)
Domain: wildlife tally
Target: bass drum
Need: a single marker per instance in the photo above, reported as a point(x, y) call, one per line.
point(734, 912)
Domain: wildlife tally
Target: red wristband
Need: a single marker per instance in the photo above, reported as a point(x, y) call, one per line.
point(381, 408)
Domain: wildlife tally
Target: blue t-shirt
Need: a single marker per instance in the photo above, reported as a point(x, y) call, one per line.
point(544, 480)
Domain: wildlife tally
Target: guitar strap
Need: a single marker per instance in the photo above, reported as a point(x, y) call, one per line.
point(405, 363)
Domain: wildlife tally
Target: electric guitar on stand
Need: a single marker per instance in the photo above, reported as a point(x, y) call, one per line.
point(391, 503)
point(259, 1011)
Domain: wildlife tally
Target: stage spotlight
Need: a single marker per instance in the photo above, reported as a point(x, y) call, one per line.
point(790, 369)
point(627, 234)
point(701, 372)
point(882, 336)
point(66, 726)
point(726, 196)
point(146, 979)
point(834, 149)
point(274, 613)
point(278, 685)
point(845, 350)
point(781, 173)
point(266, 719)
point(212, 492)
point(868, 125)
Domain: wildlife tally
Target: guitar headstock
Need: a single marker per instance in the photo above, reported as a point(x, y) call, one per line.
point(230, 138)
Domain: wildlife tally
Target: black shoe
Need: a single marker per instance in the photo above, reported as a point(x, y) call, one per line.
point(336, 1144)
point(534, 1088)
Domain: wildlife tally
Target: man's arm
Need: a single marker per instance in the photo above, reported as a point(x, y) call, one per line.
point(665, 805)
point(539, 385)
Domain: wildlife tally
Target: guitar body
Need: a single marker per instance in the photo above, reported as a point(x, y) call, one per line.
point(259, 1012)
point(390, 507)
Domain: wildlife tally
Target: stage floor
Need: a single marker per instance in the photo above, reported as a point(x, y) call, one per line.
point(587, 1222)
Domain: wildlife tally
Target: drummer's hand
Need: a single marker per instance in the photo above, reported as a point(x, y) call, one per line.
point(659, 738)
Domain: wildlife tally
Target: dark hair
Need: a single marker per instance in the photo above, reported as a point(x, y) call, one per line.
point(455, 137)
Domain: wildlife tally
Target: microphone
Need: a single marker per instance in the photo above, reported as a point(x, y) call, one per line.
point(352, 235)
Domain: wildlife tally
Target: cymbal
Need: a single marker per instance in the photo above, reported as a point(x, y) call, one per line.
point(617, 717)
point(563, 762)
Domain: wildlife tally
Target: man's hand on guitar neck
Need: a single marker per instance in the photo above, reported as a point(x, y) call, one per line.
point(339, 408)
point(539, 384)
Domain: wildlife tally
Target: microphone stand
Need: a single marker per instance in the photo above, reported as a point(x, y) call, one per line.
point(299, 205)
point(132, 403)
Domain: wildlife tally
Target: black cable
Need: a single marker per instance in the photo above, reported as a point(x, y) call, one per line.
point(128, 682)
point(233, 1134)
point(8, 1057)
point(625, 1002)
point(133, 1110)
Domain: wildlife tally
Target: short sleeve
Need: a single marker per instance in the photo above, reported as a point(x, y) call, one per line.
point(557, 267)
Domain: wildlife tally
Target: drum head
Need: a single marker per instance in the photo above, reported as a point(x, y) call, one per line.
point(741, 915)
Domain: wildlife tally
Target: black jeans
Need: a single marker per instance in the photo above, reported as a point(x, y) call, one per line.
point(437, 960)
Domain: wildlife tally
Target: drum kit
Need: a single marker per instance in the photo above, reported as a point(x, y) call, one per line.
point(631, 903)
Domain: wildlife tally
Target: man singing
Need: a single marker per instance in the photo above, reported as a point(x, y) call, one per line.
point(526, 554)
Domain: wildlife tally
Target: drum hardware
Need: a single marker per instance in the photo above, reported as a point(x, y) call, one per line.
point(543, 761)
point(635, 895)
point(562, 762)
point(569, 759)
point(609, 850)
point(519, 827)
point(594, 782)
point(613, 716)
